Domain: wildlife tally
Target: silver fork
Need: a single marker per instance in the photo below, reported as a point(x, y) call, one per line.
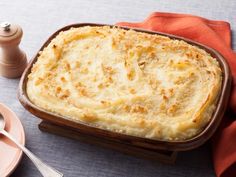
point(44, 169)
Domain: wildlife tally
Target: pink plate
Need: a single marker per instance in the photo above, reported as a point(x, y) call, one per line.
point(10, 155)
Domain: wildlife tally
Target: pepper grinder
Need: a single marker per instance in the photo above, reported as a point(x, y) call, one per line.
point(13, 60)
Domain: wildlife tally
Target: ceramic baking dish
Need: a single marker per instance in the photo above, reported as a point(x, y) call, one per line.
point(127, 139)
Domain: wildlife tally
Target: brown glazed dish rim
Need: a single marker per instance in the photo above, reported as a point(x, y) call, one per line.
point(182, 145)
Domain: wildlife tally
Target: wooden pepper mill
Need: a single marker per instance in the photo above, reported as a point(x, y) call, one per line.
point(12, 60)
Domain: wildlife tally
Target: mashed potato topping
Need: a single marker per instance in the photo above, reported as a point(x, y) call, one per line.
point(126, 81)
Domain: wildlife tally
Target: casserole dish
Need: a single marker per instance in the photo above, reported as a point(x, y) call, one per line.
point(173, 145)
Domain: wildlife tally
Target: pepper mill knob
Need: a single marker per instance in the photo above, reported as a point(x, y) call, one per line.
point(13, 61)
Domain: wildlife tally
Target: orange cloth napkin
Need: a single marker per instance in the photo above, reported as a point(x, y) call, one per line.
point(217, 35)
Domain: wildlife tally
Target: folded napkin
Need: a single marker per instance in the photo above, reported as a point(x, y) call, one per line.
point(217, 35)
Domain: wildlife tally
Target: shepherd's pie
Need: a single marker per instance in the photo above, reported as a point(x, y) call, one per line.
point(126, 81)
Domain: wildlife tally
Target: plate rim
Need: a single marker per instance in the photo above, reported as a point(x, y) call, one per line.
point(15, 162)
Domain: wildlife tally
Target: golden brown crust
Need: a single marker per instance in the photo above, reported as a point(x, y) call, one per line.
point(126, 81)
